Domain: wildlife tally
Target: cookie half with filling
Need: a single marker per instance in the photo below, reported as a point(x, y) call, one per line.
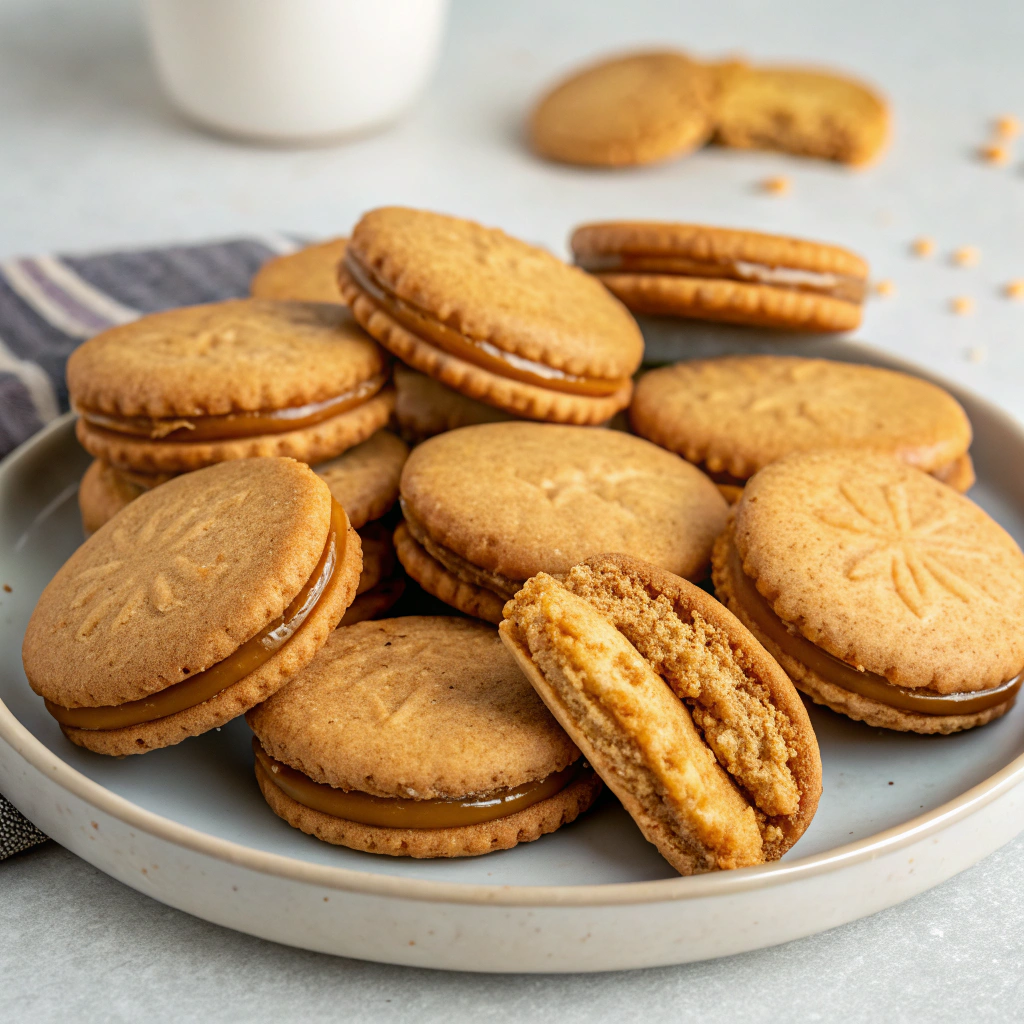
point(417, 737)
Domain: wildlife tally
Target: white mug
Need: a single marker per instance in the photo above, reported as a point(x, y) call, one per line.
point(294, 70)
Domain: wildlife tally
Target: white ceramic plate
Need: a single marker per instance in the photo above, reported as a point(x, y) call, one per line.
point(188, 825)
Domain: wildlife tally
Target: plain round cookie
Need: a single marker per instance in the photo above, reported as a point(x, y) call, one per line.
point(524, 826)
point(517, 498)
point(800, 110)
point(625, 110)
point(885, 568)
point(676, 705)
point(737, 414)
point(102, 493)
point(364, 479)
point(176, 583)
point(308, 275)
point(425, 407)
point(469, 722)
point(243, 355)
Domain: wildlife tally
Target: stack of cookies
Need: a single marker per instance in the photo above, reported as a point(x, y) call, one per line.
point(635, 609)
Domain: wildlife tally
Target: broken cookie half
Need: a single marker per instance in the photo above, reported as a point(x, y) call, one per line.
point(686, 717)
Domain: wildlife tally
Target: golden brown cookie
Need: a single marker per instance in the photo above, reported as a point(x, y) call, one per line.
point(308, 275)
point(495, 319)
point(625, 110)
point(189, 387)
point(373, 603)
point(882, 592)
point(679, 709)
point(492, 505)
point(198, 600)
point(425, 407)
point(417, 737)
point(102, 493)
point(735, 415)
point(364, 480)
point(799, 110)
point(725, 274)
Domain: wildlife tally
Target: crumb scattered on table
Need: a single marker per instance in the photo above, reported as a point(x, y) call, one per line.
point(1007, 127)
point(778, 186)
point(885, 288)
point(7, 588)
point(977, 354)
point(962, 305)
point(967, 256)
point(1015, 289)
point(995, 154)
point(923, 246)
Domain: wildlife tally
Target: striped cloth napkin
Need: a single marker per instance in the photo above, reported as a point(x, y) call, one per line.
point(49, 304)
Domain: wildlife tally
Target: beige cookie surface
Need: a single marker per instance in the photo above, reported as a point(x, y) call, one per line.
point(177, 582)
point(102, 493)
point(466, 841)
point(802, 111)
point(240, 355)
point(315, 444)
point(516, 498)
point(364, 480)
point(308, 275)
point(886, 569)
point(625, 110)
point(678, 708)
point(737, 414)
point(420, 707)
point(425, 407)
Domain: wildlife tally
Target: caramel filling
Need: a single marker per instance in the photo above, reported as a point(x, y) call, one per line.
point(397, 812)
point(246, 659)
point(865, 684)
point(472, 350)
point(836, 286)
point(237, 424)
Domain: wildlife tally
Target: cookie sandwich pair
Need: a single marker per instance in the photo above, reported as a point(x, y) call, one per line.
point(734, 416)
point(487, 507)
point(197, 601)
point(725, 274)
point(883, 593)
point(176, 391)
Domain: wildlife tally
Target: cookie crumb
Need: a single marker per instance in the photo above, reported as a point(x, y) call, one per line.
point(923, 246)
point(885, 288)
point(1006, 127)
point(962, 306)
point(1013, 290)
point(778, 186)
point(7, 588)
point(977, 354)
point(967, 256)
point(995, 154)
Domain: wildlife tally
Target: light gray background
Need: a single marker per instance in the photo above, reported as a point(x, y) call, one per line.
point(91, 157)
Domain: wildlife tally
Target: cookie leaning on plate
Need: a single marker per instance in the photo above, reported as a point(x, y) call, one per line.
point(884, 594)
point(199, 600)
point(625, 110)
point(735, 415)
point(364, 481)
point(308, 275)
point(679, 709)
point(804, 111)
point(190, 387)
point(725, 274)
point(489, 506)
point(417, 737)
point(491, 317)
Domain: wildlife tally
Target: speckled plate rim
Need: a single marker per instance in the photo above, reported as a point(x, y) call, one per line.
point(38, 756)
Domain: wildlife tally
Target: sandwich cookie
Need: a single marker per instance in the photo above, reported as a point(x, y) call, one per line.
point(487, 507)
point(417, 737)
point(725, 274)
point(308, 275)
point(186, 388)
point(196, 602)
point(491, 317)
point(425, 407)
point(104, 491)
point(734, 416)
point(626, 110)
point(884, 594)
point(801, 111)
point(364, 481)
point(680, 710)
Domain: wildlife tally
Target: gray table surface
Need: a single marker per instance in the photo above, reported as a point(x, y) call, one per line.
point(91, 157)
